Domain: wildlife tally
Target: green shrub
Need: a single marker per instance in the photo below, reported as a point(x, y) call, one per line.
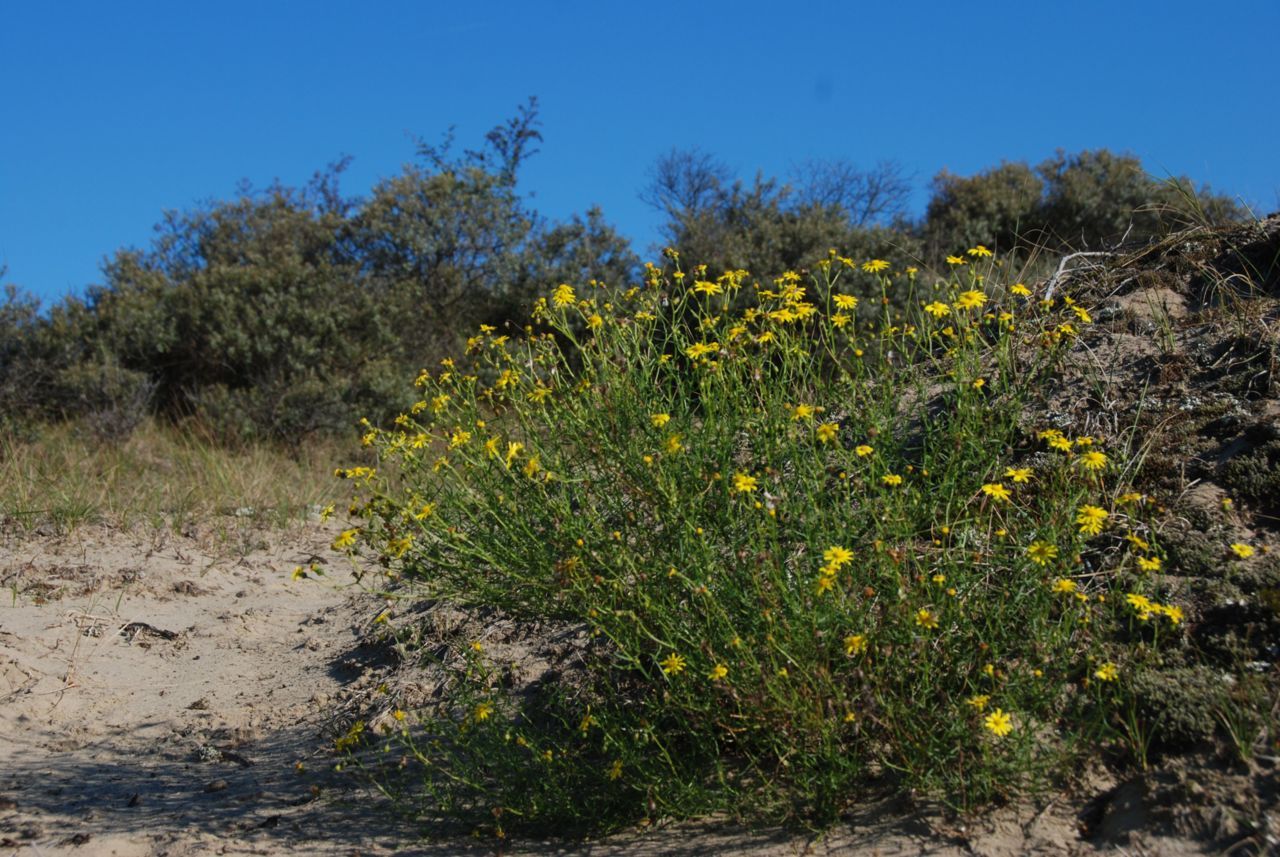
point(811, 547)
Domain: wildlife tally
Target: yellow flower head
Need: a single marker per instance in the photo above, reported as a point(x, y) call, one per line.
point(845, 301)
point(744, 483)
point(1093, 460)
point(996, 491)
point(937, 309)
point(837, 557)
point(827, 432)
point(1063, 586)
point(1242, 550)
point(563, 295)
point(659, 420)
point(801, 412)
point(718, 672)
point(1042, 553)
point(1149, 563)
point(673, 664)
point(1090, 519)
point(978, 251)
point(926, 619)
point(891, 479)
point(875, 266)
point(862, 450)
point(998, 723)
point(1019, 474)
point(978, 701)
point(972, 299)
point(708, 288)
point(855, 644)
point(1107, 672)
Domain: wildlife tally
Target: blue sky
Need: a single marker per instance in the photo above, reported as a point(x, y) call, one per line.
point(114, 112)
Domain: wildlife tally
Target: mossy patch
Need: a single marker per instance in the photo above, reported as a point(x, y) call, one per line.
point(1178, 705)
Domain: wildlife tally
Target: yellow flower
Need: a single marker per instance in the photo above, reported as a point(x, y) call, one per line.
point(801, 412)
point(673, 664)
point(459, 438)
point(1149, 563)
point(299, 573)
point(862, 450)
point(674, 445)
point(1137, 541)
point(615, 770)
point(345, 539)
point(1090, 519)
point(926, 619)
point(1093, 460)
point(891, 479)
point(875, 266)
point(514, 448)
point(1173, 614)
point(978, 701)
point(482, 711)
point(978, 251)
point(845, 301)
point(708, 288)
point(837, 557)
point(1019, 474)
point(997, 492)
point(1063, 586)
point(840, 319)
point(1242, 550)
point(1060, 443)
point(971, 299)
point(855, 644)
point(718, 672)
point(563, 295)
point(532, 466)
point(1020, 290)
point(594, 321)
point(1082, 314)
point(1107, 672)
point(955, 260)
point(827, 432)
point(744, 483)
point(1042, 553)
point(938, 309)
point(701, 349)
point(659, 420)
point(998, 723)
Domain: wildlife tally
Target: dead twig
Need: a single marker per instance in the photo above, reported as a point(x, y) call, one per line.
point(1062, 271)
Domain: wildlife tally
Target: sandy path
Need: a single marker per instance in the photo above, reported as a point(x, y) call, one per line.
point(167, 695)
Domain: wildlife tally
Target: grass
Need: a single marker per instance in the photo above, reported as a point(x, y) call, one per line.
point(817, 550)
point(59, 476)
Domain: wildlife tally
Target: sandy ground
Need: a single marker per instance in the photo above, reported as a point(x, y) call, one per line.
point(169, 695)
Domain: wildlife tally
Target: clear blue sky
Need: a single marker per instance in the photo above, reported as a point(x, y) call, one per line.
point(111, 113)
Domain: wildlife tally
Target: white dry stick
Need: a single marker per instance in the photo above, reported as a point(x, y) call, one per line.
point(1062, 269)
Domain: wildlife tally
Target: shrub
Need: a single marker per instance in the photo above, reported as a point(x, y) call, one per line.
point(811, 548)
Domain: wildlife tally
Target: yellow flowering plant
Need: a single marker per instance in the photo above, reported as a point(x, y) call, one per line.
point(790, 568)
